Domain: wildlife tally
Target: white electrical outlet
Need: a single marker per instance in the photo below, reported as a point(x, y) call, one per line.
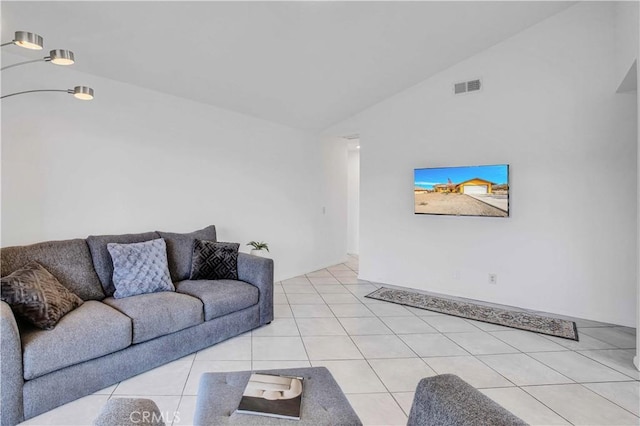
point(493, 278)
point(456, 275)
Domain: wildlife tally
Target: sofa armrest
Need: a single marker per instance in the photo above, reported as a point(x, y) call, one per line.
point(258, 271)
point(11, 376)
point(448, 400)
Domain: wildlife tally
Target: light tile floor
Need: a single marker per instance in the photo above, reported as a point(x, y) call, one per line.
point(379, 351)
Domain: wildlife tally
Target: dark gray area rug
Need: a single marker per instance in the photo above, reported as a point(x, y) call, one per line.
point(508, 318)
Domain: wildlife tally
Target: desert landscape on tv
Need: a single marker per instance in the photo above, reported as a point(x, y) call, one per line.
point(463, 191)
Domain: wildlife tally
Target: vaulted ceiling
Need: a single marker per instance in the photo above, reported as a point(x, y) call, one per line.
point(303, 64)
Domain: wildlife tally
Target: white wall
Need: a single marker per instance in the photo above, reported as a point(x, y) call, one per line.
point(353, 202)
point(135, 160)
point(549, 109)
point(626, 35)
point(627, 23)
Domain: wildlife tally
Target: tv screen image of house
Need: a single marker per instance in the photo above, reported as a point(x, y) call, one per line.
point(462, 191)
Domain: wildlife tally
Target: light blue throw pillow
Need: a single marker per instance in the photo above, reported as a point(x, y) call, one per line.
point(140, 268)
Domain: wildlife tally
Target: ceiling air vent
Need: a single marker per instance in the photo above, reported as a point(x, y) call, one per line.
point(473, 85)
point(467, 86)
point(459, 88)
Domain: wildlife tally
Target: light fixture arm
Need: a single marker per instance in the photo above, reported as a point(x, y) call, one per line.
point(58, 57)
point(39, 90)
point(7, 43)
point(83, 93)
point(48, 58)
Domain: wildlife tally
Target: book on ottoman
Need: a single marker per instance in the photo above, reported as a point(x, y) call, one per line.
point(273, 396)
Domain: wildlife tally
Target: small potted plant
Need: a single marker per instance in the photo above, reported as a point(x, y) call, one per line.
point(258, 247)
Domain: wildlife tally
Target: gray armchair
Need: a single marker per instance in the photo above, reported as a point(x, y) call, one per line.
point(130, 412)
point(447, 400)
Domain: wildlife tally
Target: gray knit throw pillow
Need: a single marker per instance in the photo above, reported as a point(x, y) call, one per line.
point(214, 261)
point(140, 268)
point(37, 296)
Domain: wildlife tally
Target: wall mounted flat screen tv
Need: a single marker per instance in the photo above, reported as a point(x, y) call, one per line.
point(462, 191)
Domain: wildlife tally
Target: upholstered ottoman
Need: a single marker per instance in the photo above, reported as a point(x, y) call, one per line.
point(323, 402)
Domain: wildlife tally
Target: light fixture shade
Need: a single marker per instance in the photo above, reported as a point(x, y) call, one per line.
point(28, 40)
point(61, 57)
point(83, 93)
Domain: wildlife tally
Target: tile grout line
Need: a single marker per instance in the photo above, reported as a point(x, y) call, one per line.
point(374, 370)
point(520, 387)
point(574, 382)
point(580, 351)
point(364, 358)
point(562, 374)
point(545, 405)
point(602, 396)
point(583, 383)
point(304, 346)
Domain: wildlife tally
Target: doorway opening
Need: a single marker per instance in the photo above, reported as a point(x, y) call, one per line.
point(353, 196)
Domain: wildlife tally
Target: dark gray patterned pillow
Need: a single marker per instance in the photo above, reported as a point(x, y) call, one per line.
point(140, 268)
point(37, 296)
point(214, 261)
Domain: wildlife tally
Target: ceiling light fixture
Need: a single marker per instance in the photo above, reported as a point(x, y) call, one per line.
point(27, 40)
point(79, 92)
point(83, 93)
point(58, 57)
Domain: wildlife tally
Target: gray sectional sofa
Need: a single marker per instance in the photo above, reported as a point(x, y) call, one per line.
point(107, 340)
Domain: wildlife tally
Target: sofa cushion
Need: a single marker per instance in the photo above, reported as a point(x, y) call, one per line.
point(37, 296)
point(220, 297)
point(69, 261)
point(102, 259)
point(180, 249)
point(140, 268)
point(214, 261)
point(80, 335)
point(157, 314)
